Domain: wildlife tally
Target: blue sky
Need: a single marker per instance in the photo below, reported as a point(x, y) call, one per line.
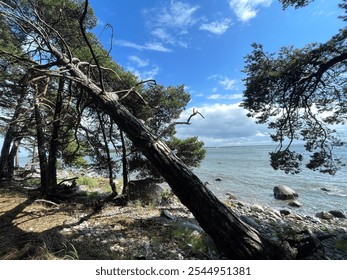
point(202, 44)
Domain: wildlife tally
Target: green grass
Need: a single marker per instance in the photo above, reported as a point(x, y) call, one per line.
point(66, 252)
point(99, 184)
point(187, 238)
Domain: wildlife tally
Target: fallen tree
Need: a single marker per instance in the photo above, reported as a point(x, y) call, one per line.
point(234, 238)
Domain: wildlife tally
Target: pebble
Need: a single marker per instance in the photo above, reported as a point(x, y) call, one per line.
point(272, 223)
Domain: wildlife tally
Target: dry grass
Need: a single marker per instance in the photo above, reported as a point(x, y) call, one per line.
point(39, 230)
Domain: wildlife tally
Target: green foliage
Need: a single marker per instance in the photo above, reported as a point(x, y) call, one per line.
point(74, 155)
point(165, 106)
point(296, 3)
point(299, 93)
point(93, 183)
point(189, 150)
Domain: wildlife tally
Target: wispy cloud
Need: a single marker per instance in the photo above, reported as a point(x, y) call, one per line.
point(225, 96)
point(171, 22)
point(217, 27)
point(151, 46)
point(247, 9)
point(140, 62)
point(226, 82)
point(178, 15)
point(144, 73)
point(229, 84)
point(142, 67)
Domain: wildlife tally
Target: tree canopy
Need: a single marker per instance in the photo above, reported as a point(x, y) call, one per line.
point(300, 94)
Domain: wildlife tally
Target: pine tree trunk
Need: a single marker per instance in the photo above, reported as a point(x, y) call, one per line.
point(13, 160)
point(5, 156)
point(54, 141)
point(234, 238)
point(40, 137)
point(124, 164)
point(6, 162)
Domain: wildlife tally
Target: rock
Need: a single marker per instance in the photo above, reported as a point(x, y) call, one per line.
point(338, 214)
point(284, 193)
point(257, 208)
point(272, 213)
point(190, 226)
point(249, 221)
point(325, 215)
point(145, 191)
point(325, 190)
point(167, 214)
point(295, 204)
point(285, 212)
point(218, 180)
point(231, 196)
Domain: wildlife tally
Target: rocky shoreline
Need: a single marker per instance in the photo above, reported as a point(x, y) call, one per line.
point(278, 226)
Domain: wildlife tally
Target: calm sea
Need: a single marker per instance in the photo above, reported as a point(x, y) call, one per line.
point(246, 173)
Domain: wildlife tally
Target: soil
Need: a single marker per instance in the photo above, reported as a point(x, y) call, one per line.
point(34, 228)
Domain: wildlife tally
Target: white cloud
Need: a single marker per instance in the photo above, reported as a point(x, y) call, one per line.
point(223, 125)
point(225, 96)
point(247, 9)
point(145, 74)
point(170, 24)
point(226, 82)
point(178, 15)
point(142, 67)
point(140, 62)
point(151, 46)
point(229, 84)
point(216, 27)
point(163, 35)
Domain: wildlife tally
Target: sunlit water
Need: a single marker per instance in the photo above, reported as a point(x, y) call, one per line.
point(246, 173)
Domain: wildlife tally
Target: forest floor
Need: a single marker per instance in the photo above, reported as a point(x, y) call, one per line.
point(83, 228)
point(33, 228)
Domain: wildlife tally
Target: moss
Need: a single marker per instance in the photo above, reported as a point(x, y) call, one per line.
point(341, 245)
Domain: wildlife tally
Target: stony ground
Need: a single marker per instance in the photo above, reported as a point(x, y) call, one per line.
point(38, 229)
point(31, 228)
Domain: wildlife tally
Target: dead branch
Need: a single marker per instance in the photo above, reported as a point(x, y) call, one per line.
point(86, 4)
point(195, 112)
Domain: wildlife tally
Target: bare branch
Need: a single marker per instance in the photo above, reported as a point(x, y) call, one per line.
point(195, 112)
point(86, 4)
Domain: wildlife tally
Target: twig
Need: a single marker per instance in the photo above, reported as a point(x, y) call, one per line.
point(47, 201)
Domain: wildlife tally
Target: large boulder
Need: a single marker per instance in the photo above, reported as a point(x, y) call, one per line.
point(146, 191)
point(338, 214)
point(325, 215)
point(284, 193)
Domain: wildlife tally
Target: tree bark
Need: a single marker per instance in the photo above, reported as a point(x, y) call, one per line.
point(6, 161)
point(40, 136)
point(124, 163)
point(108, 156)
point(234, 238)
point(54, 141)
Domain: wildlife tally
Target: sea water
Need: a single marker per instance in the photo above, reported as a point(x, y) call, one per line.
point(246, 173)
